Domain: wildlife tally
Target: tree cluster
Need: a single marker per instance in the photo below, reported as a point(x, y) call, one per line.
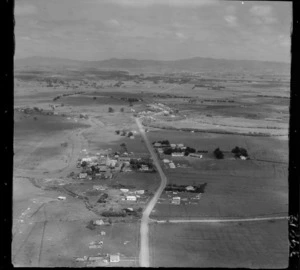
point(218, 153)
point(239, 151)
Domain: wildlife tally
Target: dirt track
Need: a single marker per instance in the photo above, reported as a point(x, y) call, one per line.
point(144, 245)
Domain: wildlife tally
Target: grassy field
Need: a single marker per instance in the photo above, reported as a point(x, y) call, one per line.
point(245, 245)
point(235, 188)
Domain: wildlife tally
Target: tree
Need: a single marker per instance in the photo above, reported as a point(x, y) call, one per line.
point(122, 110)
point(218, 153)
point(110, 110)
point(94, 98)
point(130, 134)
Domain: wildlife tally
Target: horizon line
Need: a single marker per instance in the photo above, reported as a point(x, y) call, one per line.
point(115, 58)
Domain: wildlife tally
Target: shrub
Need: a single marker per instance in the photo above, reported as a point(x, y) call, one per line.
point(122, 110)
point(110, 110)
point(218, 153)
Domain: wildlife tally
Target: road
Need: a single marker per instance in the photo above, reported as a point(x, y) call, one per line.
point(219, 220)
point(144, 232)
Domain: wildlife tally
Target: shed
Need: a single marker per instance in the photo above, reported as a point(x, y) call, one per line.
point(82, 175)
point(131, 198)
point(102, 168)
point(189, 188)
point(172, 165)
point(114, 258)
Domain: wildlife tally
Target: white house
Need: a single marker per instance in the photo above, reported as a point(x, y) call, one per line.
point(172, 165)
point(131, 198)
point(114, 258)
point(177, 154)
point(82, 175)
point(189, 188)
point(166, 160)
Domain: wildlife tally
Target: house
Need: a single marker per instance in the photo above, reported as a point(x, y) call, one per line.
point(99, 222)
point(243, 158)
point(177, 154)
point(140, 191)
point(124, 159)
point(103, 233)
point(157, 144)
point(102, 168)
point(144, 168)
point(124, 190)
point(173, 145)
point(195, 155)
point(176, 200)
point(166, 160)
point(159, 150)
point(114, 258)
point(180, 145)
point(82, 175)
point(131, 198)
point(61, 198)
point(172, 165)
point(189, 188)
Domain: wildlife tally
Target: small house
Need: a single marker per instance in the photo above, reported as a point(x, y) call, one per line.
point(243, 158)
point(166, 160)
point(173, 145)
point(131, 198)
point(157, 144)
point(124, 159)
point(140, 191)
point(99, 222)
point(195, 155)
point(82, 175)
point(114, 258)
point(177, 154)
point(189, 188)
point(172, 165)
point(124, 190)
point(102, 168)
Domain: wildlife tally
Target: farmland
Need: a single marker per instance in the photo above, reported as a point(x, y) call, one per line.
point(67, 124)
point(252, 245)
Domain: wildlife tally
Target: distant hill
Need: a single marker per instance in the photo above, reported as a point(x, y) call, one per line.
point(196, 64)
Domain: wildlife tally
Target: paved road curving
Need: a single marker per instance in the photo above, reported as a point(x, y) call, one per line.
point(144, 231)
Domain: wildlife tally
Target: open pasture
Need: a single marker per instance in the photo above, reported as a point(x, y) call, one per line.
point(251, 244)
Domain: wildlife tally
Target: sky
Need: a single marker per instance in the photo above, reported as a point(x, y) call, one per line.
point(153, 29)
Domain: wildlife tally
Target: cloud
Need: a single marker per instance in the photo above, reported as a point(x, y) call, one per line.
point(180, 36)
point(23, 10)
point(113, 23)
point(284, 40)
point(176, 3)
point(231, 20)
point(262, 14)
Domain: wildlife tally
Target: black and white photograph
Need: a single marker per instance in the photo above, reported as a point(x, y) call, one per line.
point(151, 133)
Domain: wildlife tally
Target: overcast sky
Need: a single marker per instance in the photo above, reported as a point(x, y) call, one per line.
point(153, 29)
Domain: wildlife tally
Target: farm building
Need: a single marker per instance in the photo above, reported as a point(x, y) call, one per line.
point(195, 155)
point(160, 150)
point(114, 258)
point(131, 198)
point(176, 200)
point(172, 165)
point(102, 168)
point(189, 188)
point(177, 154)
point(124, 159)
point(82, 175)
